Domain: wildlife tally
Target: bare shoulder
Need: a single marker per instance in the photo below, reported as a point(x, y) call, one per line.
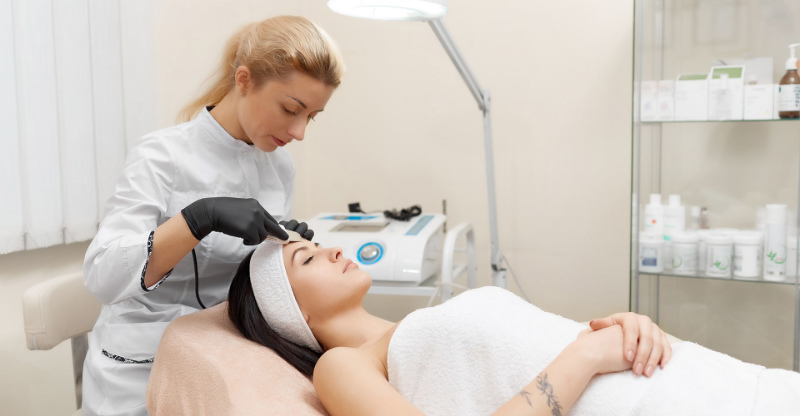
point(352, 381)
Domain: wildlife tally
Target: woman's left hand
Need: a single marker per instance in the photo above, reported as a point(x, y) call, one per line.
point(645, 345)
point(298, 227)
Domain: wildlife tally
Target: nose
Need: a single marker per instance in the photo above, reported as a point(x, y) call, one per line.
point(297, 130)
point(335, 254)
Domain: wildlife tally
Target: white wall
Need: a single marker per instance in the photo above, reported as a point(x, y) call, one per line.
point(403, 129)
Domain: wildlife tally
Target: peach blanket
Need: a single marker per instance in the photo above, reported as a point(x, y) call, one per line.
point(204, 366)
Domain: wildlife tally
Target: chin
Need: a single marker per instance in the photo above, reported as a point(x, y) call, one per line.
point(365, 283)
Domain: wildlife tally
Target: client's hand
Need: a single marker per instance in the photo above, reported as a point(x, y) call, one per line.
point(602, 347)
point(645, 344)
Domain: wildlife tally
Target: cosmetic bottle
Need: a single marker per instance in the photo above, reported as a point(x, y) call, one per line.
point(789, 88)
point(654, 215)
point(775, 250)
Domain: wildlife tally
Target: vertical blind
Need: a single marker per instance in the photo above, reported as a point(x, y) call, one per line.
point(76, 90)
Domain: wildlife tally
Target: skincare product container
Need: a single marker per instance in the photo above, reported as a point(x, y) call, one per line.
point(758, 100)
point(694, 218)
point(789, 88)
point(775, 250)
point(651, 252)
point(684, 253)
point(702, 250)
point(726, 92)
point(674, 217)
point(654, 215)
point(720, 254)
point(666, 100)
point(791, 258)
point(691, 97)
point(747, 250)
point(649, 101)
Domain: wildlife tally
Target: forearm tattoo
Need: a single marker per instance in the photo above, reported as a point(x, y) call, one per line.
point(547, 389)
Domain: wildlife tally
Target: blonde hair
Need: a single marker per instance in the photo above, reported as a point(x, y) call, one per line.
point(272, 49)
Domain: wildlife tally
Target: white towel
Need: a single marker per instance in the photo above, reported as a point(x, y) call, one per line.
point(275, 297)
point(475, 352)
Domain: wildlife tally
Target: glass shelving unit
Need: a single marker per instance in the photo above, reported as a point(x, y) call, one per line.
point(733, 168)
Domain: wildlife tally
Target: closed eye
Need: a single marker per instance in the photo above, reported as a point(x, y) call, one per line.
point(308, 260)
point(288, 111)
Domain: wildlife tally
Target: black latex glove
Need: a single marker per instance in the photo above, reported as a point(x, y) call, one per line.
point(298, 227)
point(237, 217)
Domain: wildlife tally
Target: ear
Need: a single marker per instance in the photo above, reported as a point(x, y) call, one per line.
point(243, 79)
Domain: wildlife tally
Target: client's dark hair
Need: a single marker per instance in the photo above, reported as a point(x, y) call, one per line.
point(244, 313)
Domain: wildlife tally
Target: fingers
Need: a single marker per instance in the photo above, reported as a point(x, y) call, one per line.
point(667, 351)
point(301, 228)
point(631, 335)
point(599, 324)
point(289, 225)
point(654, 348)
point(272, 227)
point(655, 354)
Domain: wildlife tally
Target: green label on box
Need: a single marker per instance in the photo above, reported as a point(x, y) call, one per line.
point(733, 72)
point(692, 77)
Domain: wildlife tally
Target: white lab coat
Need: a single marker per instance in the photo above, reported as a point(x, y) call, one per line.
point(164, 172)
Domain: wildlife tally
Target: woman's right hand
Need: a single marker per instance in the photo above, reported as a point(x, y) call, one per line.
point(237, 217)
point(603, 348)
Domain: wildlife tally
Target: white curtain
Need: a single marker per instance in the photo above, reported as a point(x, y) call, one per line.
point(76, 82)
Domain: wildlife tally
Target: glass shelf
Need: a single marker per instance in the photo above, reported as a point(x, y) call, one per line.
point(720, 121)
point(730, 169)
point(788, 281)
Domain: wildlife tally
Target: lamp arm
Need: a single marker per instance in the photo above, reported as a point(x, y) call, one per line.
point(484, 103)
point(461, 65)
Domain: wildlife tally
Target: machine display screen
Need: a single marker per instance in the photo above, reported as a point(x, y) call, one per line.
point(359, 227)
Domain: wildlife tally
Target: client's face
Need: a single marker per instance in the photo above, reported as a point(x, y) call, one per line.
point(323, 281)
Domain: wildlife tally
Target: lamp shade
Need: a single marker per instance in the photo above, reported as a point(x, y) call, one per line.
point(419, 10)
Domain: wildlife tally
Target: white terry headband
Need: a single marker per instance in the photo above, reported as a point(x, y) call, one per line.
point(275, 297)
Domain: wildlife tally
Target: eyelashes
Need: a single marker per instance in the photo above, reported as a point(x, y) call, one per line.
point(308, 260)
point(292, 113)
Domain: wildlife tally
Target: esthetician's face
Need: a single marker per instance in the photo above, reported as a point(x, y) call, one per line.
point(323, 281)
point(277, 112)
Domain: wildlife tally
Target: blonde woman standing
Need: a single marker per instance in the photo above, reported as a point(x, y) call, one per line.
point(213, 185)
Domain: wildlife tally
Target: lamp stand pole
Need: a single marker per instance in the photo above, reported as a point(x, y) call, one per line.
point(484, 103)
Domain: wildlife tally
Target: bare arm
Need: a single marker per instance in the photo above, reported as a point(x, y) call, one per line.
point(350, 382)
point(171, 242)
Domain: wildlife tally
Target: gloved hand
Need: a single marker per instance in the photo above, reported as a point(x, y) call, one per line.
point(237, 217)
point(298, 227)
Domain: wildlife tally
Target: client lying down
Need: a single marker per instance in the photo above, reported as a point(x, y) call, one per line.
point(485, 351)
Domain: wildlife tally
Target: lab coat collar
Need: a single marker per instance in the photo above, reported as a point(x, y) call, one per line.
point(220, 135)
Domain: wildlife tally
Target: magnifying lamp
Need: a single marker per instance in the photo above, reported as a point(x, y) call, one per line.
point(432, 11)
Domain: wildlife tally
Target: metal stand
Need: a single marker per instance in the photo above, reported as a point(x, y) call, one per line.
point(483, 98)
point(80, 345)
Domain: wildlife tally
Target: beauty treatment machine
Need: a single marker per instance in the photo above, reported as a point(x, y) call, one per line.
point(400, 252)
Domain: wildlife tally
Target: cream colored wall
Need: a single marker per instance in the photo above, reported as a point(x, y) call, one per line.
point(404, 130)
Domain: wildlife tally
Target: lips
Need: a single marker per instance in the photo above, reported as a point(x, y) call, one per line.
point(347, 264)
point(278, 141)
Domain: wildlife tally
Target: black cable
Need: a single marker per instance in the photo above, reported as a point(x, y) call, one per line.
point(405, 214)
point(197, 280)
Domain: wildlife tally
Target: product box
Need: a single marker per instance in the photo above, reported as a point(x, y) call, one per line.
point(666, 100)
point(758, 100)
point(649, 101)
point(691, 97)
point(726, 92)
point(775, 102)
